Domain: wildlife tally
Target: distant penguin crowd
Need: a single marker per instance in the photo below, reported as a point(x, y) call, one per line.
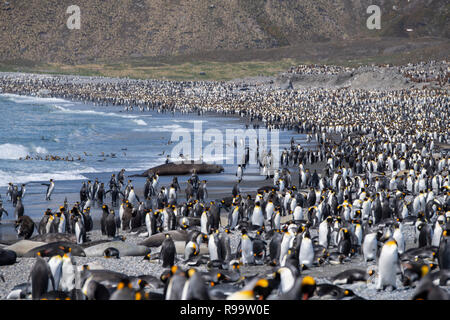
point(381, 166)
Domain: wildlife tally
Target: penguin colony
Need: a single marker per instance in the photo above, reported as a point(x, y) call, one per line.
point(384, 169)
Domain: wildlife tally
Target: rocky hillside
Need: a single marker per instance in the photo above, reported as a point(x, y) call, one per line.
point(35, 30)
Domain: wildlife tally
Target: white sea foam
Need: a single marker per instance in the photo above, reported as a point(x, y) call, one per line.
point(92, 112)
point(10, 151)
point(166, 128)
point(40, 150)
point(23, 177)
point(32, 100)
point(140, 122)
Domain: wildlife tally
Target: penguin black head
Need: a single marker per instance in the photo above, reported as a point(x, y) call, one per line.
point(148, 256)
point(262, 289)
point(111, 252)
point(308, 287)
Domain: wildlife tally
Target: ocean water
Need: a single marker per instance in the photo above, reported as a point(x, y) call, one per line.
point(104, 138)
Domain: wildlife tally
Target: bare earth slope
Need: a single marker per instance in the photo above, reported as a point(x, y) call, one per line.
point(35, 30)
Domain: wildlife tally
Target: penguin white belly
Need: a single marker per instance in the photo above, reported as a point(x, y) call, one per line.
point(298, 213)
point(269, 210)
point(404, 213)
point(165, 221)
point(436, 240)
point(257, 218)
point(293, 204)
point(62, 224)
point(276, 221)
point(358, 234)
point(48, 225)
point(285, 245)
point(148, 224)
point(306, 256)
point(50, 190)
point(121, 214)
point(132, 198)
point(369, 247)
point(398, 236)
point(55, 264)
point(204, 224)
point(212, 248)
point(286, 281)
point(189, 249)
point(347, 212)
point(234, 218)
point(78, 234)
point(247, 251)
point(68, 275)
point(387, 267)
point(323, 234)
point(366, 209)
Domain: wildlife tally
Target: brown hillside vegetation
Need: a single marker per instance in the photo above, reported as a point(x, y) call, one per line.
point(36, 31)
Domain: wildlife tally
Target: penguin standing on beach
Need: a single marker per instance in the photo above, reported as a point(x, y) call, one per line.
point(15, 194)
point(168, 252)
point(101, 194)
point(370, 247)
point(44, 221)
point(444, 251)
point(62, 220)
point(80, 231)
point(239, 173)
point(150, 222)
point(9, 192)
point(205, 222)
point(40, 277)
point(110, 224)
point(194, 287)
point(306, 255)
point(19, 210)
point(132, 196)
point(202, 193)
point(214, 247)
point(2, 210)
point(388, 262)
point(246, 246)
point(105, 213)
point(50, 189)
point(258, 215)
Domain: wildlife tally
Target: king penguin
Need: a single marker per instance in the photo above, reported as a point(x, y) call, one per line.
point(306, 255)
point(257, 216)
point(50, 188)
point(110, 224)
point(444, 251)
point(194, 287)
point(388, 263)
point(40, 277)
point(168, 252)
point(247, 249)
